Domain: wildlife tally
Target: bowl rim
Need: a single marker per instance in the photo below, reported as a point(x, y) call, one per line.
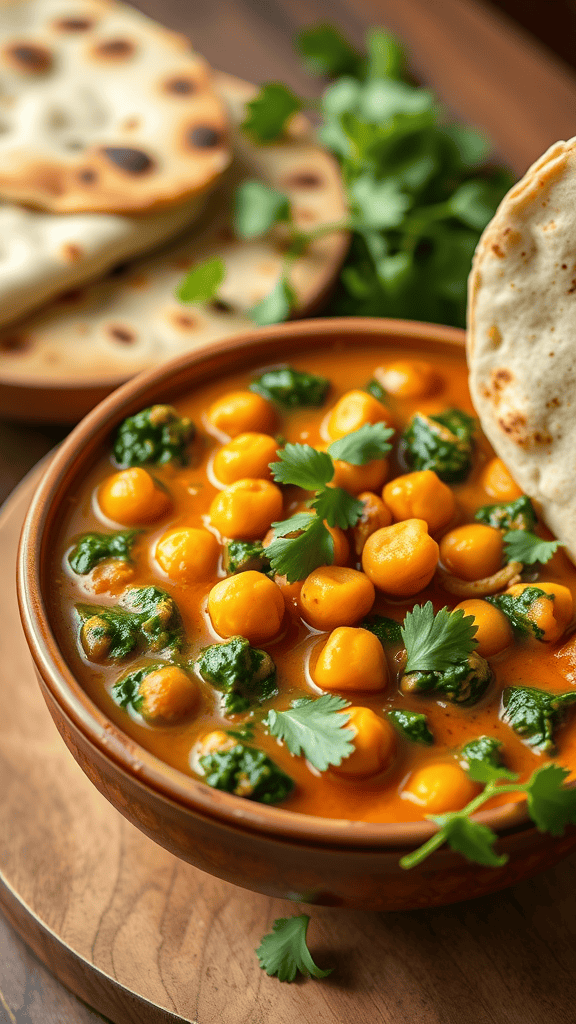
point(134, 761)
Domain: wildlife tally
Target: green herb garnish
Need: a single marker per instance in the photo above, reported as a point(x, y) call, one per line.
point(314, 728)
point(92, 548)
point(551, 806)
point(440, 656)
point(525, 547)
point(535, 714)
point(202, 282)
point(284, 953)
point(156, 435)
point(302, 543)
point(411, 724)
point(269, 112)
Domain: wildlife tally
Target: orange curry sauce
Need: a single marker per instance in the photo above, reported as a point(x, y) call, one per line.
point(378, 798)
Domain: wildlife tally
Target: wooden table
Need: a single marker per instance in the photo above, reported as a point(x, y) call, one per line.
point(491, 72)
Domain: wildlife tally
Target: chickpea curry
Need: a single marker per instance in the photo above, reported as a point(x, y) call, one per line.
point(315, 586)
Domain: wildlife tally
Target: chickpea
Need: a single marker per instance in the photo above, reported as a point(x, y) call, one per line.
point(351, 659)
point(421, 495)
point(95, 638)
point(111, 576)
point(440, 787)
point(409, 378)
point(334, 596)
point(131, 498)
point(246, 509)
point(494, 631)
point(473, 551)
point(401, 559)
point(214, 741)
point(551, 616)
point(248, 455)
point(352, 411)
point(374, 516)
point(498, 483)
point(248, 604)
point(168, 695)
point(242, 411)
point(374, 744)
point(354, 479)
point(187, 554)
point(290, 593)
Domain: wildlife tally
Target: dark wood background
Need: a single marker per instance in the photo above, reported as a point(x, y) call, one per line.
point(506, 66)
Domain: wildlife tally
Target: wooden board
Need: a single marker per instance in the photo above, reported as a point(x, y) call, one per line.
point(146, 939)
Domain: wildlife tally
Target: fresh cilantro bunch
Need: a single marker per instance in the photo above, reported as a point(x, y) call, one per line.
point(419, 188)
point(302, 543)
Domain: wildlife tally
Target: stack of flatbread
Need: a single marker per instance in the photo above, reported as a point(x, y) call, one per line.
point(117, 139)
point(522, 336)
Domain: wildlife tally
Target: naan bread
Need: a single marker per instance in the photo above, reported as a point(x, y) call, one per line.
point(44, 254)
point(128, 322)
point(102, 109)
point(522, 336)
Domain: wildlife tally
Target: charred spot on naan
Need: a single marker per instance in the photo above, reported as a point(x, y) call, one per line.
point(114, 49)
point(514, 424)
point(28, 58)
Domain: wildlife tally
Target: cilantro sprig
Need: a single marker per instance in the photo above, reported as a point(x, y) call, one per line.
point(284, 951)
point(302, 543)
point(418, 194)
point(551, 806)
point(436, 642)
point(523, 546)
point(315, 729)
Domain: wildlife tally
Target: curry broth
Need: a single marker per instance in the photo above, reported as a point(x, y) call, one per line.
point(192, 488)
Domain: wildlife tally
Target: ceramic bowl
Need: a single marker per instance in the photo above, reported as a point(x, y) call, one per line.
point(267, 849)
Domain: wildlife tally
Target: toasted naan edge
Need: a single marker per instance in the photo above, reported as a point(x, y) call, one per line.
point(102, 109)
point(521, 339)
point(112, 329)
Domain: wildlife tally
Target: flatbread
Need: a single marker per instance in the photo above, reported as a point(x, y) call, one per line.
point(131, 321)
point(45, 254)
point(102, 109)
point(522, 336)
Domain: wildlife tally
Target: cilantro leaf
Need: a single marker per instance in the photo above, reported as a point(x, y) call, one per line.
point(202, 282)
point(276, 306)
point(377, 204)
point(303, 466)
point(473, 840)
point(435, 642)
point(295, 557)
point(385, 55)
point(314, 728)
point(269, 111)
point(522, 546)
point(481, 759)
point(551, 805)
point(257, 208)
point(327, 52)
point(363, 445)
point(337, 507)
point(283, 952)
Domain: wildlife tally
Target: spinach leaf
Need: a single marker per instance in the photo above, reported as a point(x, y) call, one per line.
point(247, 772)
point(145, 618)
point(462, 683)
point(442, 443)
point(388, 631)
point(92, 548)
point(412, 724)
point(155, 435)
point(292, 389)
point(517, 607)
point(482, 759)
point(508, 515)
point(242, 555)
point(535, 714)
point(244, 674)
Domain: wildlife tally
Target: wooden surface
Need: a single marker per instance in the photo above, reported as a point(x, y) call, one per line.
point(505, 959)
point(148, 939)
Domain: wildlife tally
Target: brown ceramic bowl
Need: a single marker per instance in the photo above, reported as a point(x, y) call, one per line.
point(268, 849)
